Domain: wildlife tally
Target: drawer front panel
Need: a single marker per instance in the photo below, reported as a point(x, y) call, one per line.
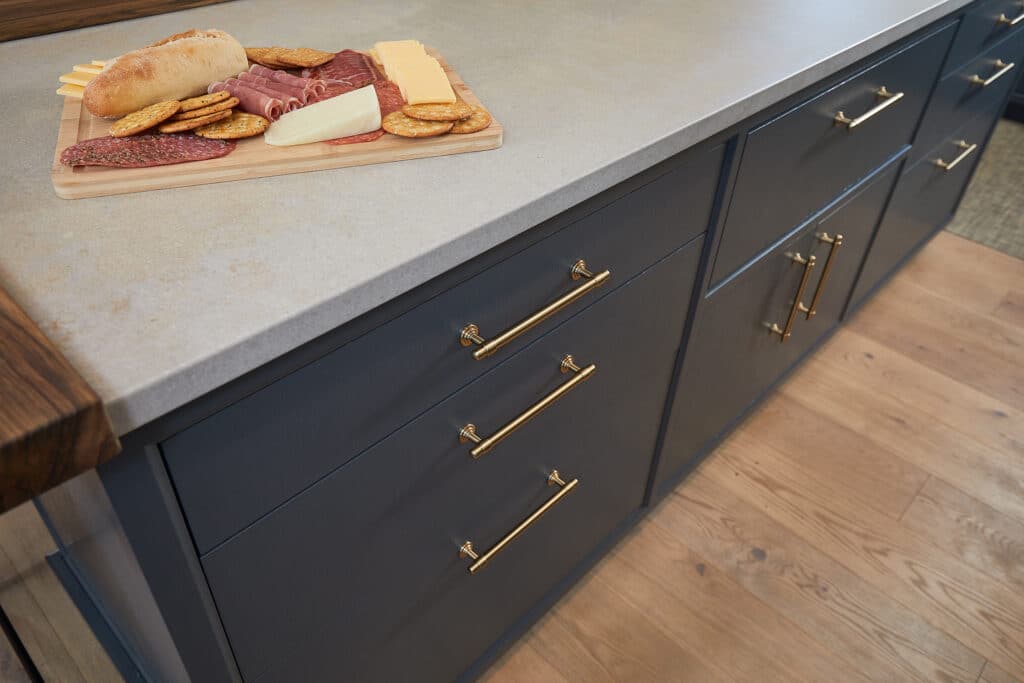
point(958, 97)
point(360, 575)
point(923, 202)
point(984, 25)
point(271, 445)
point(732, 357)
point(794, 165)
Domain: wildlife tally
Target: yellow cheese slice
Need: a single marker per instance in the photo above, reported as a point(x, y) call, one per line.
point(100, 62)
point(423, 81)
point(89, 68)
point(71, 90)
point(393, 52)
point(77, 78)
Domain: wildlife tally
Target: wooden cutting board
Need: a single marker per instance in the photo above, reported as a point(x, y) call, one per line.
point(253, 158)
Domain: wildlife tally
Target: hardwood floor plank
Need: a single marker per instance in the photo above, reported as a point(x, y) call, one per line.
point(11, 670)
point(596, 635)
point(993, 674)
point(933, 446)
point(885, 482)
point(972, 348)
point(27, 542)
point(983, 614)
point(523, 664)
point(981, 536)
point(881, 369)
point(862, 625)
point(959, 269)
point(42, 643)
point(697, 603)
point(1011, 308)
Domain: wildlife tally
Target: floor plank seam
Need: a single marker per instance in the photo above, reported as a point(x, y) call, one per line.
point(913, 499)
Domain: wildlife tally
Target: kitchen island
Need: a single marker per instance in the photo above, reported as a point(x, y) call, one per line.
point(195, 311)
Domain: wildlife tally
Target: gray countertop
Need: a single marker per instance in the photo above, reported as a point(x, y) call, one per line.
point(162, 296)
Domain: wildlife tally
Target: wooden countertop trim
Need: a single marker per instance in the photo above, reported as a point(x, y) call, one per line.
point(52, 424)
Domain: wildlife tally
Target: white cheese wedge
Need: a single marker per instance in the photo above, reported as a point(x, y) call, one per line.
point(353, 113)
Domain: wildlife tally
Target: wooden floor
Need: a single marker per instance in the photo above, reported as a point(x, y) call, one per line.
point(866, 524)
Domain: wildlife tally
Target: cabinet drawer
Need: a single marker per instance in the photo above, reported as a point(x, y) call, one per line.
point(982, 26)
point(959, 96)
point(360, 577)
point(923, 202)
point(797, 163)
point(244, 461)
point(732, 357)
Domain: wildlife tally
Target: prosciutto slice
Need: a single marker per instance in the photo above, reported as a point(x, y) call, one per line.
point(310, 85)
point(250, 100)
point(289, 102)
point(284, 89)
point(348, 67)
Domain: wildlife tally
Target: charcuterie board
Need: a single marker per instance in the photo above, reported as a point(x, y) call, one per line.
point(253, 158)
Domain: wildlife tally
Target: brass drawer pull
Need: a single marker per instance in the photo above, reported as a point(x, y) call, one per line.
point(1003, 19)
point(554, 479)
point(1003, 69)
point(798, 304)
point(889, 99)
point(967, 148)
point(470, 334)
point(468, 433)
point(836, 242)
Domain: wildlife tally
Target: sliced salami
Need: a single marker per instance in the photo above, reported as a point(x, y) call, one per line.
point(140, 151)
point(352, 139)
point(389, 96)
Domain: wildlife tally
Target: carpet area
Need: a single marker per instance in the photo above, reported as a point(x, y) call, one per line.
point(992, 210)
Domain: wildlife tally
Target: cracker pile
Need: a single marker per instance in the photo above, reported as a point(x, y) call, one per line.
point(210, 116)
point(428, 120)
point(288, 58)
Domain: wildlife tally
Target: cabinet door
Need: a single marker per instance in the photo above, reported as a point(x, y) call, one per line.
point(733, 356)
point(924, 200)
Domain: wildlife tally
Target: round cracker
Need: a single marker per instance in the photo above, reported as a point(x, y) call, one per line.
point(238, 125)
point(478, 120)
point(438, 112)
point(196, 113)
point(193, 103)
point(305, 57)
point(398, 123)
point(144, 119)
point(189, 124)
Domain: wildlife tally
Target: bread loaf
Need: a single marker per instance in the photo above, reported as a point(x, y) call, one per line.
point(176, 67)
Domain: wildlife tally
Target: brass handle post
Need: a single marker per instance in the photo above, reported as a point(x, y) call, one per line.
point(553, 479)
point(470, 334)
point(1002, 68)
point(967, 148)
point(468, 432)
point(798, 304)
point(1003, 19)
point(836, 242)
point(888, 99)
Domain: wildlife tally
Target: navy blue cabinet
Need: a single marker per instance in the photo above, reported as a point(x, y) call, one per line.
point(360, 576)
point(753, 328)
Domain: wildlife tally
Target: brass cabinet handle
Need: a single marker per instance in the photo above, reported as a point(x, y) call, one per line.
point(798, 304)
point(836, 242)
point(1002, 69)
point(889, 99)
point(554, 479)
point(468, 432)
point(967, 148)
point(470, 334)
point(1003, 19)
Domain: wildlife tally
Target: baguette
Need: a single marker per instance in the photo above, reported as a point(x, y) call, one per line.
point(174, 68)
